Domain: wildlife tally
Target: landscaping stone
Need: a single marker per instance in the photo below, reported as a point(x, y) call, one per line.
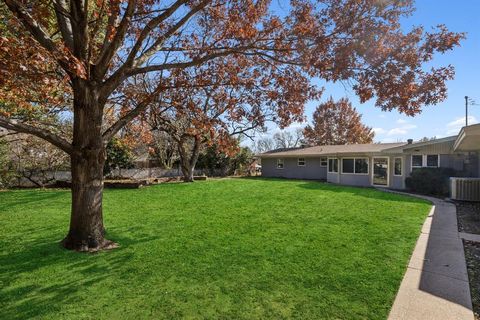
point(472, 255)
point(468, 214)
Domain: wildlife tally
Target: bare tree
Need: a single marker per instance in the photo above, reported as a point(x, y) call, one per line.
point(288, 138)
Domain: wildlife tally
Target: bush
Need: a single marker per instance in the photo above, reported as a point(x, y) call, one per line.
point(119, 156)
point(431, 181)
point(215, 162)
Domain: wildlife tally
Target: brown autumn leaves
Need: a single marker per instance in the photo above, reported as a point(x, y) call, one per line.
point(231, 68)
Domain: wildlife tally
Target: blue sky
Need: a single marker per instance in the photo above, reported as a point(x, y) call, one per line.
point(447, 117)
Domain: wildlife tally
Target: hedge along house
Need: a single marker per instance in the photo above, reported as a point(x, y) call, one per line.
point(382, 165)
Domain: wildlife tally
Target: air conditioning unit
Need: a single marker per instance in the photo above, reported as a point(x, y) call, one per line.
point(465, 189)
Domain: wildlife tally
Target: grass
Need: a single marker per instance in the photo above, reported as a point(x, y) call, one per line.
point(221, 249)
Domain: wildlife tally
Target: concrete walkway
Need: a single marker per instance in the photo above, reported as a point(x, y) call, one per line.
point(435, 285)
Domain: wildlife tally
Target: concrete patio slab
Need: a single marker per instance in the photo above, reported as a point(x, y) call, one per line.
point(435, 285)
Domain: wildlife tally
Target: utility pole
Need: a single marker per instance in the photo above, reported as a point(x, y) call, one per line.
point(466, 111)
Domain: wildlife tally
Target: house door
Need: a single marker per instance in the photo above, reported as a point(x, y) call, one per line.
point(380, 172)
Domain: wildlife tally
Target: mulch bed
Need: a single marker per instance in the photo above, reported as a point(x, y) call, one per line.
point(124, 183)
point(472, 256)
point(468, 215)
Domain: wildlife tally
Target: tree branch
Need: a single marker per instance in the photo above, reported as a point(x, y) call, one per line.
point(149, 28)
point(109, 49)
point(41, 133)
point(178, 65)
point(35, 30)
point(159, 42)
point(64, 23)
point(119, 75)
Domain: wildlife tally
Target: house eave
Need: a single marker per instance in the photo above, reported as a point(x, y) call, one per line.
point(468, 139)
point(420, 144)
point(327, 155)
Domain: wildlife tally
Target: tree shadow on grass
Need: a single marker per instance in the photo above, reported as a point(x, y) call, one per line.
point(38, 280)
point(365, 192)
point(22, 198)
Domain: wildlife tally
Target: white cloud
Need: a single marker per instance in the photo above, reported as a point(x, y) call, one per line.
point(382, 116)
point(401, 121)
point(454, 126)
point(409, 126)
point(379, 130)
point(401, 130)
point(397, 132)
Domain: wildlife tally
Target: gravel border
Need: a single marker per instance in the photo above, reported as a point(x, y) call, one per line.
point(468, 216)
point(472, 257)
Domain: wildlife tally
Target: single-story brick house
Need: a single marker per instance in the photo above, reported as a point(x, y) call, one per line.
point(378, 164)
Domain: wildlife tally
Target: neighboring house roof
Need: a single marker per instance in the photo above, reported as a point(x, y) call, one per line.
point(333, 150)
point(468, 139)
point(423, 143)
point(282, 150)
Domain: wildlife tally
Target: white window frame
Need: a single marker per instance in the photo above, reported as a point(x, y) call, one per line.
point(283, 163)
point(388, 171)
point(328, 165)
point(304, 162)
point(354, 165)
point(411, 161)
point(426, 160)
point(368, 166)
point(401, 166)
point(326, 160)
point(348, 158)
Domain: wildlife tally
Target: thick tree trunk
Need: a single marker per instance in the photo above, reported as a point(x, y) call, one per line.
point(188, 160)
point(187, 172)
point(87, 232)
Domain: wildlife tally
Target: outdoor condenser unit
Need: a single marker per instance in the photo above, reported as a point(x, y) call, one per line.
point(465, 189)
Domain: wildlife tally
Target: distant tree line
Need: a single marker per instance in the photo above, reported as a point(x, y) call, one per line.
point(333, 122)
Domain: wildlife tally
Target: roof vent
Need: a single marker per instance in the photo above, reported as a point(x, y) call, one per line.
point(410, 141)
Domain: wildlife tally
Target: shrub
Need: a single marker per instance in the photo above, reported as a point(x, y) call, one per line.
point(431, 181)
point(215, 162)
point(119, 156)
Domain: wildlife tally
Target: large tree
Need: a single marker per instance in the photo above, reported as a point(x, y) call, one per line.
point(337, 122)
point(213, 104)
point(91, 50)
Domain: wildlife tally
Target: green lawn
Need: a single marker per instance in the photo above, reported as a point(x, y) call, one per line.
point(221, 249)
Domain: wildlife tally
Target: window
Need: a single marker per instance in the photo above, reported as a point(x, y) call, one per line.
point(301, 162)
point(429, 161)
point(361, 166)
point(432, 160)
point(417, 161)
point(323, 162)
point(355, 165)
point(397, 168)
point(348, 165)
point(332, 165)
point(279, 163)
